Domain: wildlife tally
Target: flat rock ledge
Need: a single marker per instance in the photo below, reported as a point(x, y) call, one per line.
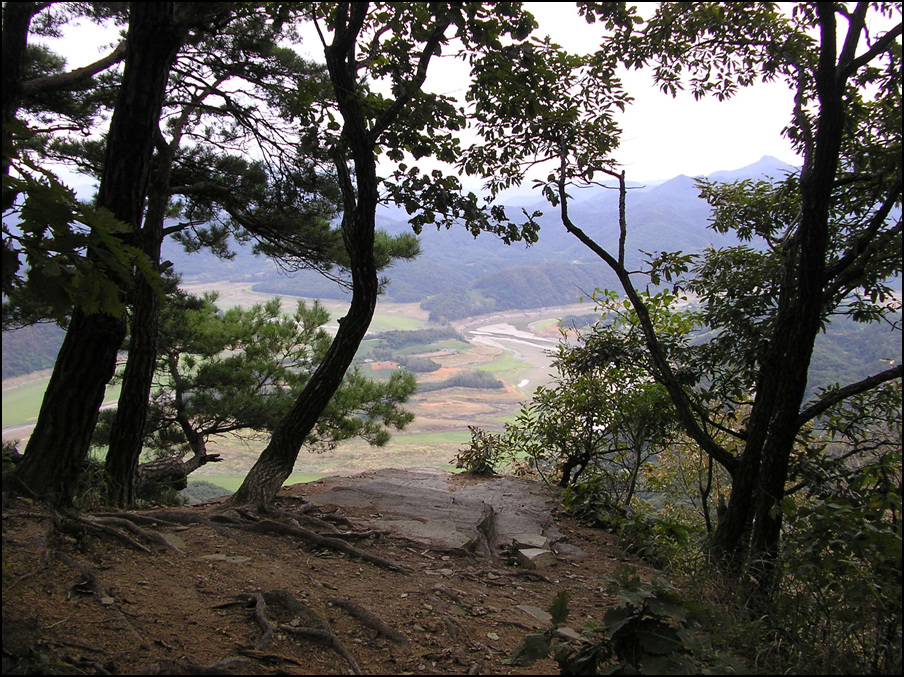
point(483, 515)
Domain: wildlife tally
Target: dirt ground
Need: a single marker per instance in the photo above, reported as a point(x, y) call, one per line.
point(85, 597)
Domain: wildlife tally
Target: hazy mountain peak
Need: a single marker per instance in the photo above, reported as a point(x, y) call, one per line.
point(766, 166)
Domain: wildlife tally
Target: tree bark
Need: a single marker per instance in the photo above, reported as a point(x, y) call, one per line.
point(358, 225)
point(127, 433)
point(780, 394)
point(171, 471)
point(816, 185)
point(87, 360)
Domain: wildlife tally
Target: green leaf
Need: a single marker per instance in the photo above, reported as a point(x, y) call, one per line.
point(532, 648)
point(559, 609)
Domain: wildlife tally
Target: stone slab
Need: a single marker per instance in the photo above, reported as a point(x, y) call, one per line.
point(438, 508)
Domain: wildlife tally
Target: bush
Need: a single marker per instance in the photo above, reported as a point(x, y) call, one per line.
point(653, 536)
point(653, 632)
point(482, 455)
point(199, 491)
point(837, 606)
point(421, 365)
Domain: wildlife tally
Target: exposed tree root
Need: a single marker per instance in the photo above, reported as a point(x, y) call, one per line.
point(312, 625)
point(366, 618)
point(484, 576)
point(267, 656)
point(328, 638)
point(269, 526)
point(150, 520)
point(222, 522)
point(174, 667)
point(154, 536)
point(336, 518)
point(99, 590)
point(260, 615)
point(313, 523)
point(452, 626)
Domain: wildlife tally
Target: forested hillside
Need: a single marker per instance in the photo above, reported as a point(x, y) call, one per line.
point(30, 348)
point(457, 275)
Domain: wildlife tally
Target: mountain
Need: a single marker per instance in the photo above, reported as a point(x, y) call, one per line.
point(666, 217)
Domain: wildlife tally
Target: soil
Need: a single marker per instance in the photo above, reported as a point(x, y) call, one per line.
point(81, 600)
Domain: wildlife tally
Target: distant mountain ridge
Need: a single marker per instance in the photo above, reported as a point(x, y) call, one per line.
point(666, 217)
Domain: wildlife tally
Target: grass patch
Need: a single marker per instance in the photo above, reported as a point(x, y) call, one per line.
point(452, 344)
point(22, 403)
point(448, 437)
point(394, 323)
point(507, 363)
point(232, 482)
point(542, 325)
point(376, 374)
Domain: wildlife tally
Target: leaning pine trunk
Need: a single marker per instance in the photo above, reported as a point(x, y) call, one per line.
point(87, 360)
point(276, 462)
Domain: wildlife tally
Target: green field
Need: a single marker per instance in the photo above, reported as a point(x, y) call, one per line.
point(233, 482)
point(22, 404)
point(506, 364)
point(383, 322)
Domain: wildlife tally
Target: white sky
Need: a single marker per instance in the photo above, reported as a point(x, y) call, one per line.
point(662, 137)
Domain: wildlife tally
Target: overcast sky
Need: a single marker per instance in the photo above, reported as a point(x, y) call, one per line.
point(662, 137)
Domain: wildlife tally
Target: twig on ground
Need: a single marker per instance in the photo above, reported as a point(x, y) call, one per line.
point(328, 638)
point(99, 590)
point(260, 615)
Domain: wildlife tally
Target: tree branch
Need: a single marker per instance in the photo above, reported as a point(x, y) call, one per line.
point(880, 46)
point(833, 397)
point(679, 398)
point(72, 79)
point(436, 37)
point(856, 22)
point(868, 241)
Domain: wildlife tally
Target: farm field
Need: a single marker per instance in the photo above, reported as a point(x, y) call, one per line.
point(510, 346)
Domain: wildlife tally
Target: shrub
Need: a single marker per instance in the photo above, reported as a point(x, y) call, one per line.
point(653, 632)
point(482, 454)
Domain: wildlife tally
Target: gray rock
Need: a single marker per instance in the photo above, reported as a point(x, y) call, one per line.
point(536, 558)
point(569, 552)
point(436, 508)
point(521, 541)
point(568, 634)
point(536, 613)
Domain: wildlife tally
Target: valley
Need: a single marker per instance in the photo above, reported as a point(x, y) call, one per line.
point(511, 346)
point(504, 301)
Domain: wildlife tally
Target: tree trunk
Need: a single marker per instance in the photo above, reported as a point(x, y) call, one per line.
point(772, 434)
point(127, 434)
point(816, 186)
point(57, 448)
point(87, 361)
point(277, 460)
point(172, 472)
